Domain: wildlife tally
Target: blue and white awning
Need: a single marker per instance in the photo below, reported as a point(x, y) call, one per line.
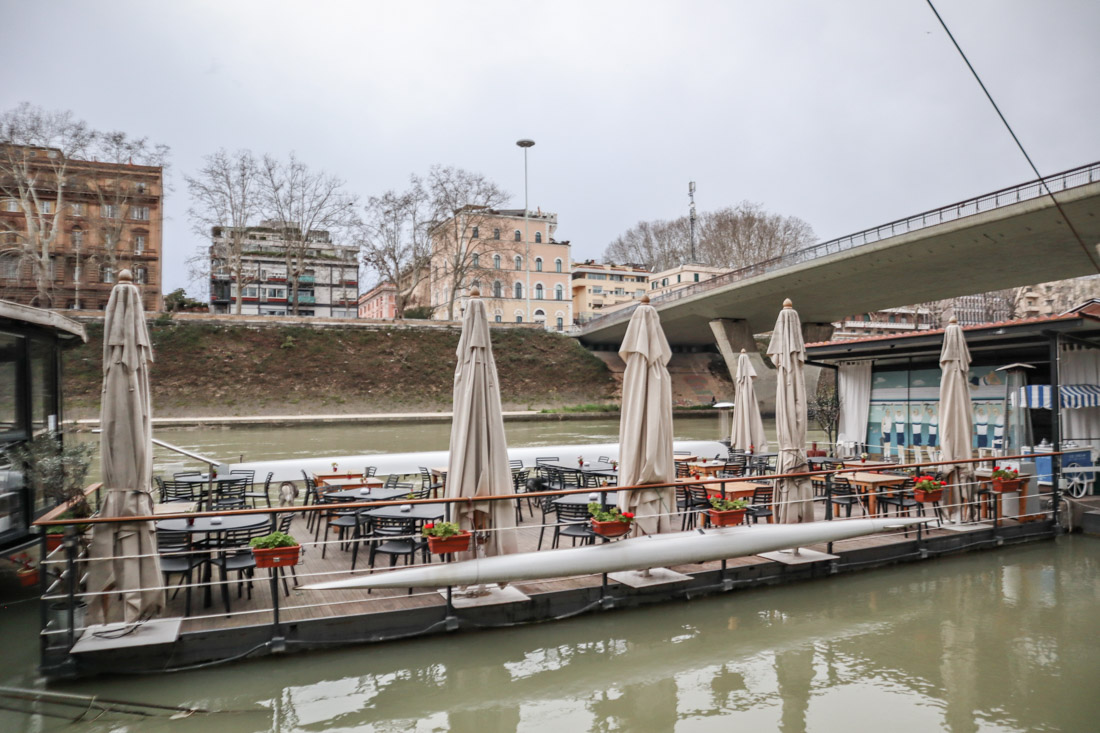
point(1037, 396)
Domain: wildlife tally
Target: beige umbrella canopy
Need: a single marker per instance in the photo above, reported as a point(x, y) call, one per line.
point(788, 353)
point(956, 429)
point(124, 556)
point(478, 464)
point(748, 428)
point(645, 423)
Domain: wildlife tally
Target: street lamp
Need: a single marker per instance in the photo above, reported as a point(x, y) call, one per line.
point(525, 143)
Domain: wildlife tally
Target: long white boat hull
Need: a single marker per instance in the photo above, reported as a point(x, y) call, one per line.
point(409, 463)
point(638, 553)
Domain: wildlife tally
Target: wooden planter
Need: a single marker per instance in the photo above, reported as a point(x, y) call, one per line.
point(928, 496)
point(1005, 484)
point(726, 518)
point(28, 577)
point(445, 545)
point(276, 557)
point(610, 529)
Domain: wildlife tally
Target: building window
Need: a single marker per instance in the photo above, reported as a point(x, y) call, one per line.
point(107, 274)
point(139, 244)
point(696, 277)
point(557, 265)
point(519, 319)
point(141, 275)
point(677, 278)
point(519, 262)
point(474, 235)
point(78, 237)
point(108, 211)
point(561, 323)
point(540, 316)
point(11, 205)
point(664, 282)
point(496, 262)
point(538, 264)
point(538, 237)
point(497, 290)
point(9, 268)
point(497, 318)
point(538, 291)
point(559, 292)
point(76, 209)
point(519, 291)
point(496, 234)
point(518, 236)
point(139, 212)
point(477, 260)
point(45, 207)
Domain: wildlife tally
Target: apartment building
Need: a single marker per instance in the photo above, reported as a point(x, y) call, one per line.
point(522, 272)
point(598, 286)
point(105, 218)
point(888, 321)
point(328, 284)
point(379, 303)
point(674, 278)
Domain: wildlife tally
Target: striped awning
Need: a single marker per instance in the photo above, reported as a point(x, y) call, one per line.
point(1072, 395)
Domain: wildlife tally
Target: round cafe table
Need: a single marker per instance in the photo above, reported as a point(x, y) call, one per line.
point(205, 525)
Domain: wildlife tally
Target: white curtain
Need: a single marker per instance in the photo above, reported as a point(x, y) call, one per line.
point(1080, 365)
point(854, 391)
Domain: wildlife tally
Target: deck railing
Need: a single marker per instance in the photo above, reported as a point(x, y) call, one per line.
point(1080, 176)
point(63, 574)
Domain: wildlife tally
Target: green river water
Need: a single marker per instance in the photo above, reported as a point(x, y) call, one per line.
point(1005, 640)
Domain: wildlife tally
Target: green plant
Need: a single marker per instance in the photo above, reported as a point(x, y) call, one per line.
point(727, 505)
point(55, 469)
point(928, 483)
point(420, 313)
point(613, 515)
point(273, 540)
point(440, 529)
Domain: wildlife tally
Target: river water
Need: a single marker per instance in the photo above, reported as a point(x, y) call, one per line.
point(1004, 640)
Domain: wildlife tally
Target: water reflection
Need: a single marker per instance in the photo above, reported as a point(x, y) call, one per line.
point(992, 641)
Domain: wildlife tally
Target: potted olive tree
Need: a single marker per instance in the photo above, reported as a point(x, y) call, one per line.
point(56, 470)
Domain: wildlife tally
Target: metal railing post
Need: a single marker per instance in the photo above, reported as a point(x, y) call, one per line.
point(70, 571)
point(828, 497)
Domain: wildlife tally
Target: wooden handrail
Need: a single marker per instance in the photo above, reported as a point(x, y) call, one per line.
point(62, 508)
point(49, 521)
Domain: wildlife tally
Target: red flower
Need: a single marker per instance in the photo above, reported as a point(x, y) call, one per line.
point(996, 468)
point(429, 525)
point(943, 483)
point(628, 515)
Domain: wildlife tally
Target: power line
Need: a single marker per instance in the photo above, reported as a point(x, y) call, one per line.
point(1076, 235)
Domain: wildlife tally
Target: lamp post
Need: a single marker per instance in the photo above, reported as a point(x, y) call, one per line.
point(525, 143)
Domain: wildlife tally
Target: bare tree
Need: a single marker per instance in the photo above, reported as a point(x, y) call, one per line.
point(37, 151)
point(302, 204)
point(225, 201)
point(463, 206)
point(730, 237)
point(394, 241)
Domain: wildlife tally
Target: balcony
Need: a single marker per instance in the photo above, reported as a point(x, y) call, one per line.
point(306, 280)
point(306, 299)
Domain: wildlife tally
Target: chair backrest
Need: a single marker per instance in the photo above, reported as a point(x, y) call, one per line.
point(160, 487)
point(733, 468)
point(248, 473)
point(425, 478)
point(181, 491)
point(546, 459)
point(393, 526)
point(239, 538)
point(370, 471)
point(698, 493)
point(267, 481)
point(515, 464)
point(181, 474)
point(727, 473)
point(763, 495)
point(681, 453)
point(603, 459)
point(573, 513)
point(420, 493)
point(391, 480)
point(841, 487)
point(283, 523)
point(169, 541)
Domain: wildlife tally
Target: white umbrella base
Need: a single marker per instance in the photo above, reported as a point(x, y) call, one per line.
point(644, 579)
point(492, 596)
point(803, 556)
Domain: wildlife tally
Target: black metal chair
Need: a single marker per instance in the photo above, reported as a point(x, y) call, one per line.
point(696, 502)
point(342, 519)
point(845, 495)
point(370, 471)
point(311, 497)
point(283, 525)
point(180, 491)
point(761, 505)
point(575, 522)
point(519, 486)
point(549, 510)
point(235, 556)
point(265, 494)
point(683, 470)
point(427, 483)
point(230, 493)
point(396, 538)
point(391, 480)
point(177, 557)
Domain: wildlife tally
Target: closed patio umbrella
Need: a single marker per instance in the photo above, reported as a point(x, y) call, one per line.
point(645, 423)
point(956, 427)
point(788, 353)
point(478, 464)
point(748, 428)
point(123, 557)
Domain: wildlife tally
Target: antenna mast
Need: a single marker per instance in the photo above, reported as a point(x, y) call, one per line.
point(691, 196)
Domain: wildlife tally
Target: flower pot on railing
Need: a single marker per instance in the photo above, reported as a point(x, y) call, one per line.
point(276, 557)
point(728, 518)
point(1001, 485)
point(928, 496)
point(610, 529)
point(28, 577)
point(453, 543)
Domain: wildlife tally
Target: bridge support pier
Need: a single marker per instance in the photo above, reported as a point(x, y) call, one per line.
point(814, 332)
point(734, 334)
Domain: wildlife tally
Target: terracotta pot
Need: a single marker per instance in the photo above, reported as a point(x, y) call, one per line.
point(610, 529)
point(276, 557)
point(928, 496)
point(445, 545)
point(53, 541)
point(1005, 484)
point(28, 577)
point(726, 518)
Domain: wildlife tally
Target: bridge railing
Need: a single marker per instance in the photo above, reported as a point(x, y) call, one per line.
point(1034, 189)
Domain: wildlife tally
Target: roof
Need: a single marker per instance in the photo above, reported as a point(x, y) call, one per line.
point(41, 317)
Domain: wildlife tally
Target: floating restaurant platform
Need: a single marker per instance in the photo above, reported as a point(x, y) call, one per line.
point(317, 620)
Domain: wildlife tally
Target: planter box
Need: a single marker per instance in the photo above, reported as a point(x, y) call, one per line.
point(53, 541)
point(727, 518)
point(610, 529)
point(445, 545)
point(28, 577)
point(1002, 484)
point(928, 496)
point(276, 557)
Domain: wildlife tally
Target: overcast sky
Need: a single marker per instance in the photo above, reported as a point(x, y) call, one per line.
point(847, 114)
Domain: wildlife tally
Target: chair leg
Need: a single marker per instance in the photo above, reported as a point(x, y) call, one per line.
point(324, 544)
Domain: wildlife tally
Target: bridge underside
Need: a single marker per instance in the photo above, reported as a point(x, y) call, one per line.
point(1020, 244)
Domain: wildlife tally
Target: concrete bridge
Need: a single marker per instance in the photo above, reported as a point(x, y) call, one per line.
point(1008, 238)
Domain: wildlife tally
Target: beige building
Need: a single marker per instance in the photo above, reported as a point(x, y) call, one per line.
point(597, 287)
point(521, 271)
point(380, 302)
point(681, 276)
